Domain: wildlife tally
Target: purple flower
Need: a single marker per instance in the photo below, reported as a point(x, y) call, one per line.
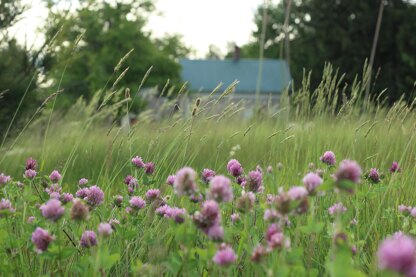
point(105, 229)
point(395, 167)
point(128, 179)
point(374, 175)
point(54, 188)
point(235, 217)
point(215, 232)
point(312, 181)
point(175, 213)
point(138, 162)
point(170, 180)
point(220, 189)
point(66, 197)
point(225, 256)
point(397, 253)
point(82, 193)
point(30, 173)
point(196, 197)
point(405, 209)
point(83, 182)
point(30, 219)
point(152, 194)
point(41, 239)
point(54, 195)
point(234, 168)
point(137, 202)
point(113, 222)
point(297, 193)
point(255, 181)
point(55, 176)
point(4, 179)
point(246, 201)
point(52, 210)
point(207, 175)
point(413, 212)
point(118, 199)
point(79, 210)
point(88, 239)
point(241, 180)
point(149, 168)
point(348, 170)
point(209, 215)
point(30, 164)
point(95, 196)
point(270, 215)
point(258, 253)
point(336, 209)
point(328, 157)
point(6, 207)
point(185, 181)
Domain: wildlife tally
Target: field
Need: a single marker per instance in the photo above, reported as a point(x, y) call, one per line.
point(276, 229)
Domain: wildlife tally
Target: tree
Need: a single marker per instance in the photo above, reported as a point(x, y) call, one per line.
point(91, 41)
point(341, 32)
point(17, 71)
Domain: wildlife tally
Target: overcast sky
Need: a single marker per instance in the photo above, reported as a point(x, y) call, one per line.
point(200, 22)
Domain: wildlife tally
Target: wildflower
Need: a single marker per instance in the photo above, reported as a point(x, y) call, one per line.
point(88, 239)
point(6, 207)
point(241, 180)
point(30, 174)
point(397, 253)
point(255, 181)
point(234, 168)
point(105, 229)
point(113, 222)
point(149, 168)
point(220, 189)
point(170, 180)
point(95, 196)
point(175, 213)
point(259, 169)
point(209, 215)
point(328, 157)
point(82, 193)
point(196, 197)
point(405, 209)
point(311, 166)
point(138, 162)
point(279, 166)
point(395, 167)
point(4, 179)
point(128, 179)
point(79, 210)
point(225, 256)
point(258, 253)
point(137, 202)
point(66, 197)
point(275, 237)
point(162, 210)
point(269, 169)
point(282, 202)
point(41, 238)
point(55, 176)
point(312, 181)
point(83, 182)
point(52, 210)
point(413, 212)
point(54, 195)
point(207, 175)
point(270, 215)
point(19, 184)
point(185, 181)
point(152, 194)
point(348, 170)
point(374, 175)
point(30, 164)
point(246, 201)
point(297, 193)
point(336, 209)
point(235, 217)
point(54, 188)
point(118, 199)
point(216, 232)
point(30, 219)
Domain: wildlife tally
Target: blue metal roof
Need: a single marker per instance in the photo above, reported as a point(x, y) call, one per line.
point(205, 75)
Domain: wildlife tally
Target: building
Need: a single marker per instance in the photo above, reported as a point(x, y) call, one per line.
point(203, 76)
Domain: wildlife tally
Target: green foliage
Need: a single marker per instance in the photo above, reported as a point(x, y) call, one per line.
point(341, 32)
point(99, 41)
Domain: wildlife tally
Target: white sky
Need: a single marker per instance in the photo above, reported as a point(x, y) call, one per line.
point(200, 22)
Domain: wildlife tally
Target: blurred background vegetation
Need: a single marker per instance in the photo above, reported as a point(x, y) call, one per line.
point(84, 48)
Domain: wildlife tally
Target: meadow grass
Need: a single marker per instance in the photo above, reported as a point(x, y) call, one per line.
point(288, 139)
